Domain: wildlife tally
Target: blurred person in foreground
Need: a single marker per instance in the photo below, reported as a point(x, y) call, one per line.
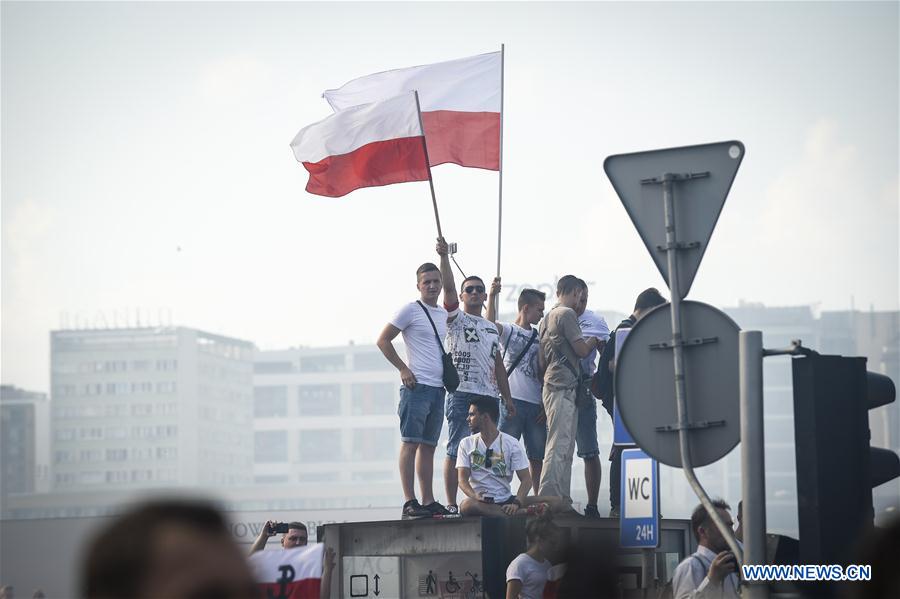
point(169, 549)
point(296, 536)
point(527, 574)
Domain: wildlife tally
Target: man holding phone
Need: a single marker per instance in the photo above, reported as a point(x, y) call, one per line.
point(709, 572)
point(295, 535)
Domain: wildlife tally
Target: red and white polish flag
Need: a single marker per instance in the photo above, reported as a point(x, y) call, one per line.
point(460, 103)
point(364, 146)
point(290, 573)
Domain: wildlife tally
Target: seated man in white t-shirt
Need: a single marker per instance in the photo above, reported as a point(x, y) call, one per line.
point(485, 463)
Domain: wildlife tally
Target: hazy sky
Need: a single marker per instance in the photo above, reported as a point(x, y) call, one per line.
point(145, 159)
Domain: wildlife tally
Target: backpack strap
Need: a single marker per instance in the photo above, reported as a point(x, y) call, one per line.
point(522, 354)
point(434, 328)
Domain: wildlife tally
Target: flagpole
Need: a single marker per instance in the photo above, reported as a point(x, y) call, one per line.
point(500, 189)
point(437, 218)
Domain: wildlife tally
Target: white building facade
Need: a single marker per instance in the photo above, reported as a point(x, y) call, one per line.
point(150, 407)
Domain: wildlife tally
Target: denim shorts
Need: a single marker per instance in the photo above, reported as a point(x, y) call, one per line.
point(457, 412)
point(523, 425)
point(420, 414)
point(586, 435)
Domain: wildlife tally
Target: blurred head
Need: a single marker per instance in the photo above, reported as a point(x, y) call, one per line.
point(646, 301)
point(483, 414)
point(569, 290)
point(296, 536)
point(169, 548)
point(542, 533)
point(472, 292)
point(7, 591)
point(581, 306)
point(428, 282)
point(531, 305)
point(705, 530)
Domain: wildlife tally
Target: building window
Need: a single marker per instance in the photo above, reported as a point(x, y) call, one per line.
point(115, 432)
point(167, 453)
point(328, 363)
point(92, 477)
point(374, 444)
point(320, 446)
point(319, 400)
point(317, 477)
point(372, 476)
point(141, 453)
point(270, 479)
point(65, 434)
point(63, 456)
point(270, 446)
point(370, 361)
point(273, 367)
point(270, 401)
point(374, 398)
point(117, 476)
point(116, 455)
point(166, 387)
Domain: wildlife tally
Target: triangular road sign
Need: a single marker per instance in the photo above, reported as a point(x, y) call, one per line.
point(701, 177)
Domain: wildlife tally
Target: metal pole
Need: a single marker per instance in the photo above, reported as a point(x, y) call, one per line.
point(500, 190)
point(678, 356)
point(753, 472)
point(437, 218)
point(648, 568)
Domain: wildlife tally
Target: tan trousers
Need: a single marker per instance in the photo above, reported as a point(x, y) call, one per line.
point(562, 422)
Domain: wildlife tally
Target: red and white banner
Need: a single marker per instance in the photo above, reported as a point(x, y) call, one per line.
point(288, 573)
point(460, 103)
point(364, 146)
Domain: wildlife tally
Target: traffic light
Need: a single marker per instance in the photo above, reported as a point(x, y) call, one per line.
point(836, 467)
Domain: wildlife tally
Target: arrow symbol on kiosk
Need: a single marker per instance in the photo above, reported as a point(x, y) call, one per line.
point(377, 592)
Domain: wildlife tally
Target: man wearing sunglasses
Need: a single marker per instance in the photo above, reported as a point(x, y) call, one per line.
point(485, 466)
point(474, 343)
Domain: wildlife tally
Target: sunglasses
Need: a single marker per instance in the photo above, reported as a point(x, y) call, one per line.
point(487, 457)
point(474, 289)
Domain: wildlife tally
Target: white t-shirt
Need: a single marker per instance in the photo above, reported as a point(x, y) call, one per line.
point(592, 325)
point(525, 381)
point(507, 456)
point(423, 355)
point(531, 572)
point(473, 342)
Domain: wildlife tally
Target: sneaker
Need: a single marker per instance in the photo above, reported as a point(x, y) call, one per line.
point(614, 512)
point(436, 509)
point(453, 509)
point(591, 511)
point(413, 510)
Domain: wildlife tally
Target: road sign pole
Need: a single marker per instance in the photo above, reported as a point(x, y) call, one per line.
point(648, 568)
point(667, 181)
point(753, 479)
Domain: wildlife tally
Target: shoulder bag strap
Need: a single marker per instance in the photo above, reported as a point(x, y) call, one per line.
point(434, 328)
point(522, 354)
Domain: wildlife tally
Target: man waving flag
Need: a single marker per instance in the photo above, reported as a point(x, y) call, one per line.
point(460, 101)
point(379, 143)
